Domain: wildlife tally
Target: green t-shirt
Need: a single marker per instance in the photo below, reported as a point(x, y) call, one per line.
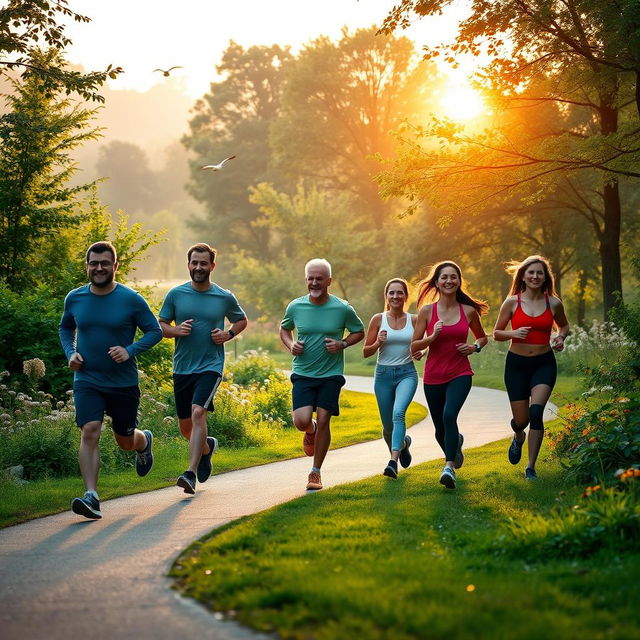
point(197, 353)
point(313, 323)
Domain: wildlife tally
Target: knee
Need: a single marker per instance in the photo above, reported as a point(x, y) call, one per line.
point(90, 433)
point(198, 413)
point(536, 412)
point(449, 418)
point(518, 427)
point(398, 416)
point(300, 422)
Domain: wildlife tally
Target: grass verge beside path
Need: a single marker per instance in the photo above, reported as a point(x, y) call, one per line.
point(358, 422)
point(410, 559)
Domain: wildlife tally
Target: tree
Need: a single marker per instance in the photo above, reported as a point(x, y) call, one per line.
point(577, 55)
point(36, 203)
point(234, 119)
point(340, 103)
point(25, 26)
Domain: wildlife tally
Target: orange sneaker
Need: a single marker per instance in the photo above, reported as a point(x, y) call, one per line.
point(314, 482)
point(309, 441)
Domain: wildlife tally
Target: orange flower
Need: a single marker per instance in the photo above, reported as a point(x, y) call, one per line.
point(585, 432)
point(592, 440)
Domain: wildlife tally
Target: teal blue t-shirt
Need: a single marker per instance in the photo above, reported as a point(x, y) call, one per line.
point(91, 324)
point(197, 353)
point(315, 322)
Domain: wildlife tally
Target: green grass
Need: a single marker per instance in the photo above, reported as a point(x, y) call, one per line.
point(396, 559)
point(358, 421)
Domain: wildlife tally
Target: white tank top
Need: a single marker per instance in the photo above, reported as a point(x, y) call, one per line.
point(396, 348)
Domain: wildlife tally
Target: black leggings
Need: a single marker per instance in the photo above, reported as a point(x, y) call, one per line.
point(445, 401)
point(522, 373)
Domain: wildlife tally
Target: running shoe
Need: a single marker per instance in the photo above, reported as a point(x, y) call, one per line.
point(309, 442)
point(530, 474)
point(204, 466)
point(515, 450)
point(391, 470)
point(405, 454)
point(87, 506)
point(458, 461)
point(314, 481)
point(187, 481)
point(448, 478)
point(144, 458)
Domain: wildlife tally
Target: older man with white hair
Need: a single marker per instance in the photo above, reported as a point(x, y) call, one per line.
point(320, 320)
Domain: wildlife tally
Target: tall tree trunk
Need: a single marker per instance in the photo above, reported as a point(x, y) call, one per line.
point(582, 298)
point(610, 249)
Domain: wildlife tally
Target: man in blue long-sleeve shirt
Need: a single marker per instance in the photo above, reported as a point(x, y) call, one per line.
point(97, 333)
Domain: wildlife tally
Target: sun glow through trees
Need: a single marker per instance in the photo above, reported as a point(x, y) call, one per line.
point(461, 102)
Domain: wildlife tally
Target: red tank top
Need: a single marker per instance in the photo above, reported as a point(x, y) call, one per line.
point(541, 325)
point(444, 363)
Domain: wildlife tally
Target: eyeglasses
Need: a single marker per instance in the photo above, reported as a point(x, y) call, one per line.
point(105, 264)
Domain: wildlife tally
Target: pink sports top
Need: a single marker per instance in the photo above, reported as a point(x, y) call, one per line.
point(444, 363)
point(541, 325)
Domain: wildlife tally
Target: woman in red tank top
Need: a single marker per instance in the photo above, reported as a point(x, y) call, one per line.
point(533, 308)
point(443, 327)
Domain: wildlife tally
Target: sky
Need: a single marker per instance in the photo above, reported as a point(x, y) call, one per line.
point(142, 35)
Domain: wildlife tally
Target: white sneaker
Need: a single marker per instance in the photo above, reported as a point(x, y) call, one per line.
point(448, 478)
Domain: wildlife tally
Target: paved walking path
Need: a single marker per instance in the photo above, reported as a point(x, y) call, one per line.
point(66, 577)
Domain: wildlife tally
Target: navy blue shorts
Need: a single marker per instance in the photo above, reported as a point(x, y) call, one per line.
point(522, 373)
point(317, 392)
point(121, 403)
point(194, 388)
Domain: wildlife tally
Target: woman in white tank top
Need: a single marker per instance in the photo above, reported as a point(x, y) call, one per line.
point(396, 379)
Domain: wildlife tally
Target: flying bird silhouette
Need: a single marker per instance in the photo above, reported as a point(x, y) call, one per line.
point(217, 167)
point(167, 72)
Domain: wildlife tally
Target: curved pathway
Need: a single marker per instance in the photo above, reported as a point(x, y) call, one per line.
point(65, 577)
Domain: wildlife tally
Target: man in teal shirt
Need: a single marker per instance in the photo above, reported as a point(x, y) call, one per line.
point(97, 333)
point(320, 320)
point(198, 308)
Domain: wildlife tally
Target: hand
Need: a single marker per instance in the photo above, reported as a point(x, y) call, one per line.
point(382, 337)
point(297, 347)
point(417, 355)
point(521, 333)
point(219, 336)
point(333, 346)
point(75, 361)
point(465, 349)
point(557, 344)
point(184, 328)
point(118, 354)
point(437, 327)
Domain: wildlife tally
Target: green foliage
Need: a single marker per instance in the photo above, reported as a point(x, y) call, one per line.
point(24, 25)
point(28, 333)
point(593, 444)
point(37, 136)
point(605, 519)
point(253, 367)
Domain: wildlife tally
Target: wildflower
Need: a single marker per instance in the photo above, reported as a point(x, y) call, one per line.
point(34, 369)
point(470, 588)
point(585, 432)
point(4, 374)
point(591, 440)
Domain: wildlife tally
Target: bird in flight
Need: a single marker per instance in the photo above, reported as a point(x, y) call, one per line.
point(167, 72)
point(217, 167)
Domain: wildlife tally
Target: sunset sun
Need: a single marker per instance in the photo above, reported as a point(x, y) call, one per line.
point(462, 103)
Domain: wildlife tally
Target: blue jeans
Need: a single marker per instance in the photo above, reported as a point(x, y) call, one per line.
point(394, 388)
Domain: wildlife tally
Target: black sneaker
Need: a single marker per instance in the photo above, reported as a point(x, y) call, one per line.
point(530, 474)
point(204, 466)
point(405, 454)
point(144, 458)
point(87, 506)
point(187, 481)
point(458, 461)
point(448, 478)
point(515, 450)
point(391, 470)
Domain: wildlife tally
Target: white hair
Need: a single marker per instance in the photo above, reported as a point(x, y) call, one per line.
point(318, 262)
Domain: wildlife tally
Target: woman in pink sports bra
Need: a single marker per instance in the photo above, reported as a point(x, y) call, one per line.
point(443, 327)
point(530, 368)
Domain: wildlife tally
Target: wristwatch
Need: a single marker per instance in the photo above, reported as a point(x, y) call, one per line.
point(345, 344)
point(478, 347)
point(231, 334)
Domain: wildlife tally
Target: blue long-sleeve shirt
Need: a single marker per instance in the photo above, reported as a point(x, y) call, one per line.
point(91, 324)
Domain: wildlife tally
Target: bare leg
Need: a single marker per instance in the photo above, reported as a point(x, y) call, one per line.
point(520, 411)
point(198, 439)
point(539, 396)
point(89, 454)
point(323, 437)
point(303, 419)
point(137, 442)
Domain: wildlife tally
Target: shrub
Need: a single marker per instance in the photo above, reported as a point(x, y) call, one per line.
point(253, 367)
point(605, 518)
point(595, 443)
